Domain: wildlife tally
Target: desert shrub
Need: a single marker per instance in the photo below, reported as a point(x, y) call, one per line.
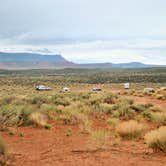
point(139, 118)
point(3, 147)
point(68, 133)
point(159, 118)
point(105, 108)
point(95, 99)
point(126, 112)
point(21, 134)
point(155, 115)
point(87, 109)
point(85, 124)
point(110, 98)
point(15, 115)
point(69, 119)
point(47, 108)
point(115, 114)
point(79, 107)
point(7, 100)
point(37, 100)
point(100, 138)
point(130, 129)
point(146, 114)
point(139, 107)
point(124, 108)
point(38, 118)
point(12, 132)
point(71, 115)
point(131, 92)
point(112, 121)
point(161, 96)
point(62, 101)
point(148, 105)
point(156, 139)
point(26, 111)
point(155, 109)
point(127, 101)
point(82, 96)
point(47, 126)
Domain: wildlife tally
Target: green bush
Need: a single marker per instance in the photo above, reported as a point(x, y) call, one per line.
point(139, 107)
point(47, 126)
point(116, 114)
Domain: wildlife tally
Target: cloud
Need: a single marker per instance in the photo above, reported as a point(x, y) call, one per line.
point(117, 51)
point(54, 21)
point(86, 30)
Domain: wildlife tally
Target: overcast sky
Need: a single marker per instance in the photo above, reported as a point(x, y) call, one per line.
point(86, 30)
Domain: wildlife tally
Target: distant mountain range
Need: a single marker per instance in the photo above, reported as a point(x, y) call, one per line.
point(32, 61)
point(118, 65)
point(39, 61)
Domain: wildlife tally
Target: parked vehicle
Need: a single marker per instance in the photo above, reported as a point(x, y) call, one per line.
point(42, 88)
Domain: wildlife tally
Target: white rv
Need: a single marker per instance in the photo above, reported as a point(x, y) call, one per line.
point(126, 85)
point(42, 88)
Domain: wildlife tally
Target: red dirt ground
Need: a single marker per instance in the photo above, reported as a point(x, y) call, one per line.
point(41, 147)
point(147, 99)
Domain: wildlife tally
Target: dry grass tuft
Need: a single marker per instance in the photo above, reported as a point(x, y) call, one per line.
point(159, 118)
point(156, 139)
point(130, 129)
point(85, 124)
point(100, 138)
point(38, 118)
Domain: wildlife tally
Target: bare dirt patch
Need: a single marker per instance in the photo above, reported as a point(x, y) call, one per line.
point(40, 147)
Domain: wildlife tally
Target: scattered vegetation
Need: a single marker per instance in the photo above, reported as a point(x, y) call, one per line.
point(91, 76)
point(21, 105)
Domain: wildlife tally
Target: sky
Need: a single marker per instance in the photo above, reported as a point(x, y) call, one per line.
point(86, 31)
